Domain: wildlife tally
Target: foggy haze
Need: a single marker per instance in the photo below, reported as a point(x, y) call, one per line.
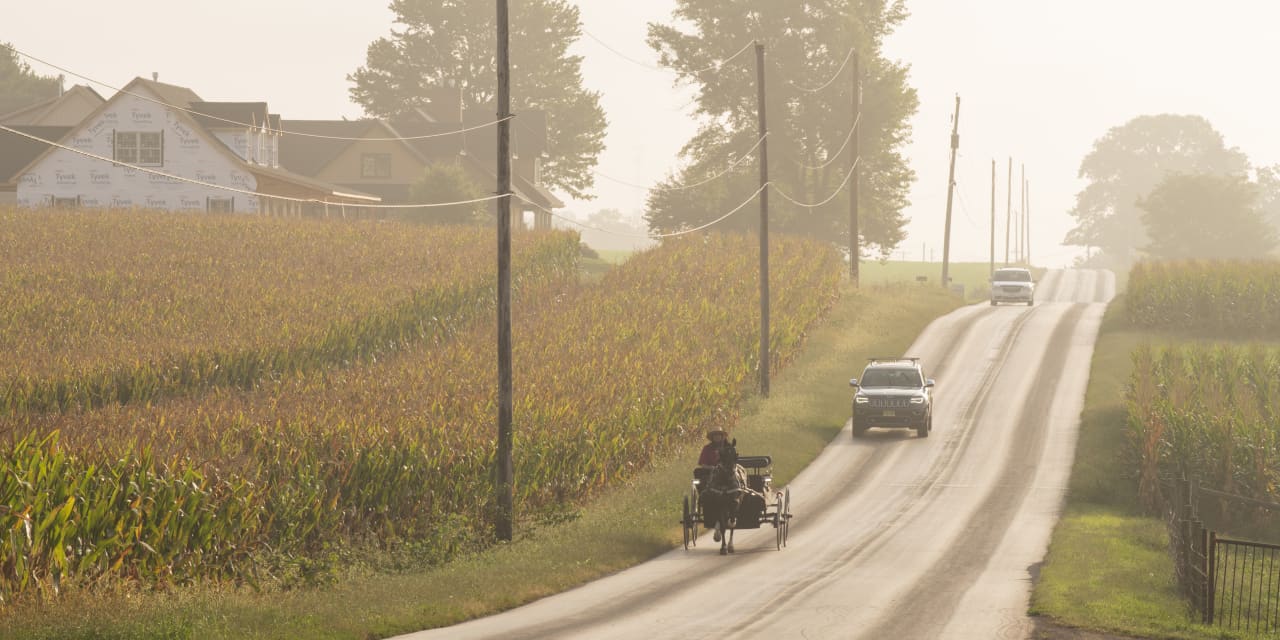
point(1039, 82)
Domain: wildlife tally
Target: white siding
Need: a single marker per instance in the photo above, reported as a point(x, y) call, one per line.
point(187, 153)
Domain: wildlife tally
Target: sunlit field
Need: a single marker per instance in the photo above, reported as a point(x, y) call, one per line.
point(262, 484)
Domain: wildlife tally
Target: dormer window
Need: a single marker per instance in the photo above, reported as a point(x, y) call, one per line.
point(145, 148)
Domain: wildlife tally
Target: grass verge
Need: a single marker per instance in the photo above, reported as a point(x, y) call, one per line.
point(807, 408)
point(1108, 566)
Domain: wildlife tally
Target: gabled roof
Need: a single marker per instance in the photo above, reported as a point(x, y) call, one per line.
point(310, 183)
point(34, 114)
point(183, 98)
point(17, 151)
point(309, 154)
point(231, 115)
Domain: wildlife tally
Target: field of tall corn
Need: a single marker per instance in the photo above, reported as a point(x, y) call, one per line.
point(116, 307)
point(1238, 298)
point(1211, 412)
point(250, 484)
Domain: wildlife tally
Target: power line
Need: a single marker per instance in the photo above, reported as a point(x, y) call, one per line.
point(732, 165)
point(826, 84)
point(653, 235)
point(242, 191)
point(847, 177)
point(249, 124)
point(714, 67)
point(835, 156)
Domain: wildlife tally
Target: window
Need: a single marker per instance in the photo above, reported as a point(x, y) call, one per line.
point(220, 205)
point(140, 147)
point(375, 165)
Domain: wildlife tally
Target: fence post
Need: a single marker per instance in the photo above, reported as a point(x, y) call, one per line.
point(1210, 543)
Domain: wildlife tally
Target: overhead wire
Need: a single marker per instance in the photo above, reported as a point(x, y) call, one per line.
point(714, 67)
point(847, 177)
point(826, 84)
point(250, 124)
point(652, 235)
point(732, 165)
point(835, 156)
point(244, 191)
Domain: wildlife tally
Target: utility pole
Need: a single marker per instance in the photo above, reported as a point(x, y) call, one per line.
point(1008, 212)
point(1027, 226)
point(855, 245)
point(951, 183)
point(1022, 214)
point(765, 360)
point(506, 470)
point(991, 269)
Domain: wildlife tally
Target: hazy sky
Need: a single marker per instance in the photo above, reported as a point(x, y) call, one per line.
point(1039, 81)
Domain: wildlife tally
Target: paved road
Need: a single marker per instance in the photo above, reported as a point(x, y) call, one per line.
point(895, 536)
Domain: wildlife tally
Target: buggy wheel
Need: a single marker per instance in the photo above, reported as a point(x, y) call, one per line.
point(689, 525)
point(778, 520)
point(786, 515)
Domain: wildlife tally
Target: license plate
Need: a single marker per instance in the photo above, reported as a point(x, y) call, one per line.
point(889, 414)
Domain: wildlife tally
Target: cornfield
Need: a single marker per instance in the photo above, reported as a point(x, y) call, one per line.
point(1211, 412)
point(397, 448)
point(1240, 298)
point(120, 307)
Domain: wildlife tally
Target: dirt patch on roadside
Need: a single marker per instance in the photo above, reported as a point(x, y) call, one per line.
point(1046, 630)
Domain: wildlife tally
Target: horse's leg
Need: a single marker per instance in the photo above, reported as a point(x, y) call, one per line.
point(731, 530)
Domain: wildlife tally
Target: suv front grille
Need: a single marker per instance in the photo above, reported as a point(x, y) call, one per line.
point(890, 403)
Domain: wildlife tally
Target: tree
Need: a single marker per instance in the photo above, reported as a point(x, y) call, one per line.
point(1206, 216)
point(1128, 162)
point(1269, 195)
point(446, 182)
point(19, 85)
point(451, 43)
point(806, 45)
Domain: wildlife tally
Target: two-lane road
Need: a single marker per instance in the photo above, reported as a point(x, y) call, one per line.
point(895, 536)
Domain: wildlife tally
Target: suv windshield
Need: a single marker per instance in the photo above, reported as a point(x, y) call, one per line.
point(1012, 276)
point(909, 378)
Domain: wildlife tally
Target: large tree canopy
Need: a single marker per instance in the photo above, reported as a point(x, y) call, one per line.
point(452, 43)
point(1206, 216)
point(19, 85)
point(1128, 162)
point(806, 44)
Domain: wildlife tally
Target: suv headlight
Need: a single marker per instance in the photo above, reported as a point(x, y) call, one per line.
point(917, 400)
point(861, 399)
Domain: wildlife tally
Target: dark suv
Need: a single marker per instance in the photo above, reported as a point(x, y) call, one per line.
point(893, 393)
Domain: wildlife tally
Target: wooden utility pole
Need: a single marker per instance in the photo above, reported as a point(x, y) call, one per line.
point(855, 245)
point(991, 269)
point(951, 183)
point(1022, 217)
point(765, 360)
point(1008, 212)
point(506, 470)
point(1027, 212)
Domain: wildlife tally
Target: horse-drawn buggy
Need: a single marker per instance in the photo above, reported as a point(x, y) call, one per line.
point(737, 493)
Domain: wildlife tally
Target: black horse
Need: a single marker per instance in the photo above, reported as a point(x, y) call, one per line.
point(723, 495)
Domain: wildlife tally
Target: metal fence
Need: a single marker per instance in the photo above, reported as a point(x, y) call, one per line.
point(1229, 582)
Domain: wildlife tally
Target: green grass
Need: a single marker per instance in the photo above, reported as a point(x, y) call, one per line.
point(806, 409)
point(972, 275)
point(1108, 566)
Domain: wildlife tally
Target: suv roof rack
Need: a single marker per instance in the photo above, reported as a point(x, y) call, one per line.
point(914, 359)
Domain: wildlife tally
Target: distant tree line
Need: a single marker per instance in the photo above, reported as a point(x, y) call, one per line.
point(1167, 186)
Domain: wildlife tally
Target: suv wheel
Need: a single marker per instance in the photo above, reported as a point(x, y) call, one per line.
point(925, 427)
point(858, 430)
